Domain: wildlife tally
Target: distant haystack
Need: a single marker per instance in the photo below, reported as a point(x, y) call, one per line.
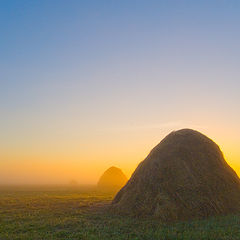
point(73, 183)
point(184, 177)
point(112, 179)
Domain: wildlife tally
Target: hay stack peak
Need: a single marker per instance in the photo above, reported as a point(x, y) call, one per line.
point(184, 177)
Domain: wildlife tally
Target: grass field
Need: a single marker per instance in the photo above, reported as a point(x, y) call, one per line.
point(67, 213)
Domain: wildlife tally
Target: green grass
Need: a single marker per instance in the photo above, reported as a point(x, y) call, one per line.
point(61, 213)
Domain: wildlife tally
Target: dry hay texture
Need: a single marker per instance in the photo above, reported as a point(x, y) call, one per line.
point(112, 179)
point(184, 177)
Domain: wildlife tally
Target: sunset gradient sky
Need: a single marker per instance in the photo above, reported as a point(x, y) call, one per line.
point(85, 85)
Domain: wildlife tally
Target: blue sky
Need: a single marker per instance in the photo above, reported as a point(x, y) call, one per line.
point(82, 73)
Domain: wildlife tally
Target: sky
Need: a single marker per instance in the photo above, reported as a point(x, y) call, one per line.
point(85, 85)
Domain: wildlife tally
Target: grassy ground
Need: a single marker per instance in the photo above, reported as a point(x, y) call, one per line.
point(61, 213)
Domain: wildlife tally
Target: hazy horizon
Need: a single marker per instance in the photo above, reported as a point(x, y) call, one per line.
point(92, 84)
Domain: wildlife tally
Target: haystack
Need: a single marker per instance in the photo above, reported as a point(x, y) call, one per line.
point(112, 179)
point(184, 177)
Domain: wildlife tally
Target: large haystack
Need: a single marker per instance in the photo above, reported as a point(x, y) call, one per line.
point(184, 177)
point(112, 179)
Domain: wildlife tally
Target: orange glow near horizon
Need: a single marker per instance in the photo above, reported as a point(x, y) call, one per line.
point(88, 163)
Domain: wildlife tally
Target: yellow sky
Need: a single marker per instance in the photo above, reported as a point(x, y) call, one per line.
point(57, 163)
